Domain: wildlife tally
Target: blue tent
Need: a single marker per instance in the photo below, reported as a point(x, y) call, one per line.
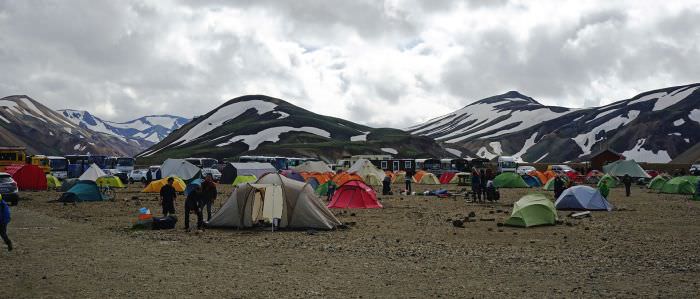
point(532, 181)
point(192, 185)
point(582, 198)
point(82, 191)
point(313, 182)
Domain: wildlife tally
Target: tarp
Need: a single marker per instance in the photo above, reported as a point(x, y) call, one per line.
point(532, 210)
point(300, 208)
point(27, 176)
point(242, 179)
point(154, 187)
point(354, 195)
point(681, 185)
point(446, 177)
point(657, 182)
point(111, 181)
point(610, 180)
point(582, 198)
point(82, 191)
point(509, 180)
point(428, 179)
point(370, 174)
point(233, 170)
point(531, 181)
point(180, 168)
point(313, 166)
point(625, 167)
point(52, 181)
point(92, 173)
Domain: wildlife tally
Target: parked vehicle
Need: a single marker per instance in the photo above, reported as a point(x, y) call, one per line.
point(694, 169)
point(121, 175)
point(8, 189)
point(562, 169)
point(216, 175)
point(59, 167)
point(137, 175)
point(507, 164)
point(525, 169)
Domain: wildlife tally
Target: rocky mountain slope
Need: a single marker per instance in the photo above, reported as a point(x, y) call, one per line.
point(655, 126)
point(26, 122)
point(146, 131)
point(257, 124)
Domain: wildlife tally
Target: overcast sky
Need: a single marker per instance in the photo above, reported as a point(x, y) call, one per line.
point(382, 63)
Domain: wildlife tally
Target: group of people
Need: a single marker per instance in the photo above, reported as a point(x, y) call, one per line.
point(200, 198)
point(483, 188)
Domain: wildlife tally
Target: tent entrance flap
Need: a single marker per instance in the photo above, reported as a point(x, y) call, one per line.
point(267, 202)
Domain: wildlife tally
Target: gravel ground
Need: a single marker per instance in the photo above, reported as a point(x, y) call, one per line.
point(647, 248)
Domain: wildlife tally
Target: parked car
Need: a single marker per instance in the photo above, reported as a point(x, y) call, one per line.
point(562, 169)
point(216, 175)
point(137, 175)
point(525, 169)
point(694, 169)
point(8, 189)
point(122, 176)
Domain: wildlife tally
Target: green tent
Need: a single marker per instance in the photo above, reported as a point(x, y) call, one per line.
point(509, 180)
point(111, 181)
point(532, 210)
point(241, 179)
point(549, 186)
point(622, 167)
point(82, 191)
point(611, 180)
point(680, 185)
point(657, 182)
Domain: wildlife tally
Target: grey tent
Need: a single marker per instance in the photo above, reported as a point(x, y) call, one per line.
point(180, 168)
point(622, 167)
point(274, 196)
point(232, 170)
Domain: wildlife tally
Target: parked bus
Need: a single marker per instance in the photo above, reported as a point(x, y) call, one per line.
point(10, 155)
point(125, 164)
point(40, 161)
point(59, 167)
point(77, 164)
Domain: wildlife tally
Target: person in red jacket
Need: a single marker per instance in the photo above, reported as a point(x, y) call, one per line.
point(4, 221)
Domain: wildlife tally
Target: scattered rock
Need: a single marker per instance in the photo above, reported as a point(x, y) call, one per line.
point(587, 228)
point(487, 219)
point(532, 241)
point(499, 211)
point(490, 229)
point(491, 212)
point(472, 215)
point(500, 230)
point(569, 223)
point(499, 224)
point(560, 222)
point(458, 223)
point(352, 215)
point(449, 219)
point(471, 220)
point(311, 232)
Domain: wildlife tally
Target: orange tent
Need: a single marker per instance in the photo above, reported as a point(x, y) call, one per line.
point(543, 178)
point(549, 175)
point(341, 178)
point(419, 175)
point(322, 178)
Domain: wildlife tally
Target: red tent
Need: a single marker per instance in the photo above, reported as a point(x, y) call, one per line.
point(354, 195)
point(446, 177)
point(28, 177)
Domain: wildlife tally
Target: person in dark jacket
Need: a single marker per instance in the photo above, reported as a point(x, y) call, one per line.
point(627, 181)
point(4, 221)
point(168, 194)
point(209, 189)
point(476, 185)
point(483, 180)
point(149, 177)
point(386, 185)
point(194, 203)
point(558, 186)
point(331, 190)
point(409, 177)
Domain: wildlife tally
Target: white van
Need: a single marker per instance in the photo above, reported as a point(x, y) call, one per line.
point(507, 164)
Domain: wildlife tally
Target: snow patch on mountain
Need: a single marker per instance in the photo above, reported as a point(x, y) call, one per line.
point(222, 115)
point(651, 96)
point(678, 122)
point(640, 154)
point(586, 141)
point(390, 150)
point(455, 152)
point(674, 97)
point(362, 137)
point(496, 146)
point(4, 119)
point(695, 115)
point(273, 135)
point(530, 142)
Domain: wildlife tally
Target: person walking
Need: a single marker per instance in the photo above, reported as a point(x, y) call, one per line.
point(149, 177)
point(193, 204)
point(210, 193)
point(476, 185)
point(168, 194)
point(386, 185)
point(331, 190)
point(627, 181)
point(408, 179)
point(4, 221)
point(484, 179)
point(558, 186)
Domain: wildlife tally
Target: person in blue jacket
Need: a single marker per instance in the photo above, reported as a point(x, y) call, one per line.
point(4, 220)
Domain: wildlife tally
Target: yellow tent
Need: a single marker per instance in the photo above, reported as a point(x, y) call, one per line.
point(52, 181)
point(110, 181)
point(455, 179)
point(244, 179)
point(154, 187)
point(428, 179)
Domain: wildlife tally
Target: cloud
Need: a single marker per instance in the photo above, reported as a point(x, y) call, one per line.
point(387, 63)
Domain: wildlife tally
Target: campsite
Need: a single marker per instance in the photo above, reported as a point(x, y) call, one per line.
point(89, 250)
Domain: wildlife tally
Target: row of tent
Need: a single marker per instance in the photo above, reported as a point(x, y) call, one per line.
point(32, 178)
point(678, 185)
point(536, 209)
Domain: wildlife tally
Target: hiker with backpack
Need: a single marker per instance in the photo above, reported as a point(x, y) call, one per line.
point(193, 204)
point(4, 221)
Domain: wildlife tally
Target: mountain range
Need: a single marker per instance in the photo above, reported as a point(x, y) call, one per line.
point(654, 126)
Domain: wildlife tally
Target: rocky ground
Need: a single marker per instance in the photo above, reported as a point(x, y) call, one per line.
point(647, 248)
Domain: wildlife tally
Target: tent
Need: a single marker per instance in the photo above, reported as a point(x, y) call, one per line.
point(52, 182)
point(341, 178)
point(531, 181)
point(399, 176)
point(370, 174)
point(625, 167)
point(111, 181)
point(233, 170)
point(593, 176)
point(274, 196)
point(154, 187)
point(82, 191)
point(582, 198)
point(242, 179)
point(180, 168)
point(549, 175)
point(192, 185)
point(67, 184)
point(92, 173)
point(320, 177)
point(549, 186)
point(322, 190)
point(313, 182)
point(428, 179)
point(313, 166)
point(446, 177)
point(455, 178)
point(612, 181)
point(509, 180)
point(543, 178)
point(657, 182)
point(681, 185)
point(532, 210)
point(354, 195)
point(293, 175)
point(27, 176)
